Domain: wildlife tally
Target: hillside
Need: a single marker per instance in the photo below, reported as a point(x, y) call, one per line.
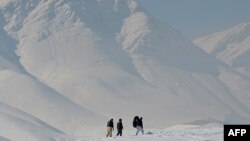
point(232, 47)
point(16, 125)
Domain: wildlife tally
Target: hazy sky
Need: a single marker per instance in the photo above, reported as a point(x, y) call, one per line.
point(196, 18)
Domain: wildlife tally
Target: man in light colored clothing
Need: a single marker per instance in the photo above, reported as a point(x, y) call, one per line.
point(110, 128)
point(139, 126)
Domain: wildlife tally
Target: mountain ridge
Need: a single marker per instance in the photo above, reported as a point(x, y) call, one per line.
point(230, 46)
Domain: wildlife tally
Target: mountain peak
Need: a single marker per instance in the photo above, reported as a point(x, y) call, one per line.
point(230, 46)
point(216, 42)
point(241, 30)
point(103, 15)
point(244, 25)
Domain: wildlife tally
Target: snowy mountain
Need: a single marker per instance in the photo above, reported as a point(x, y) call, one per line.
point(24, 92)
point(230, 46)
point(70, 64)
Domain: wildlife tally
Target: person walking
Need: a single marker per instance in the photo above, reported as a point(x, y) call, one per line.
point(119, 127)
point(110, 128)
point(139, 126)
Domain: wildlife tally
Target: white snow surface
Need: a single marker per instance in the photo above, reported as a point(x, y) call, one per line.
point(66, 67)
point(174, 133)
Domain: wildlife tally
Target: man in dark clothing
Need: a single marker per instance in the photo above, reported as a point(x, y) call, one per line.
point(110, 128)
point(135, 121)
point(139, 126)
point(119, 127)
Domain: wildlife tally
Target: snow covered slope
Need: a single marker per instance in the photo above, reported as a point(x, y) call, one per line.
point(19, 126)
point(85, 59)
point(24, 92)
point(28, 95)
point(7, 51)
point(230, 46)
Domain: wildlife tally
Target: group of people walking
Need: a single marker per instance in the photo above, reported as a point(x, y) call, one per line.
point(137, 123)
point(110, 128)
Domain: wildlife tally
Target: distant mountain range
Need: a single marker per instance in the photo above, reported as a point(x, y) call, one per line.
point(231, 46)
